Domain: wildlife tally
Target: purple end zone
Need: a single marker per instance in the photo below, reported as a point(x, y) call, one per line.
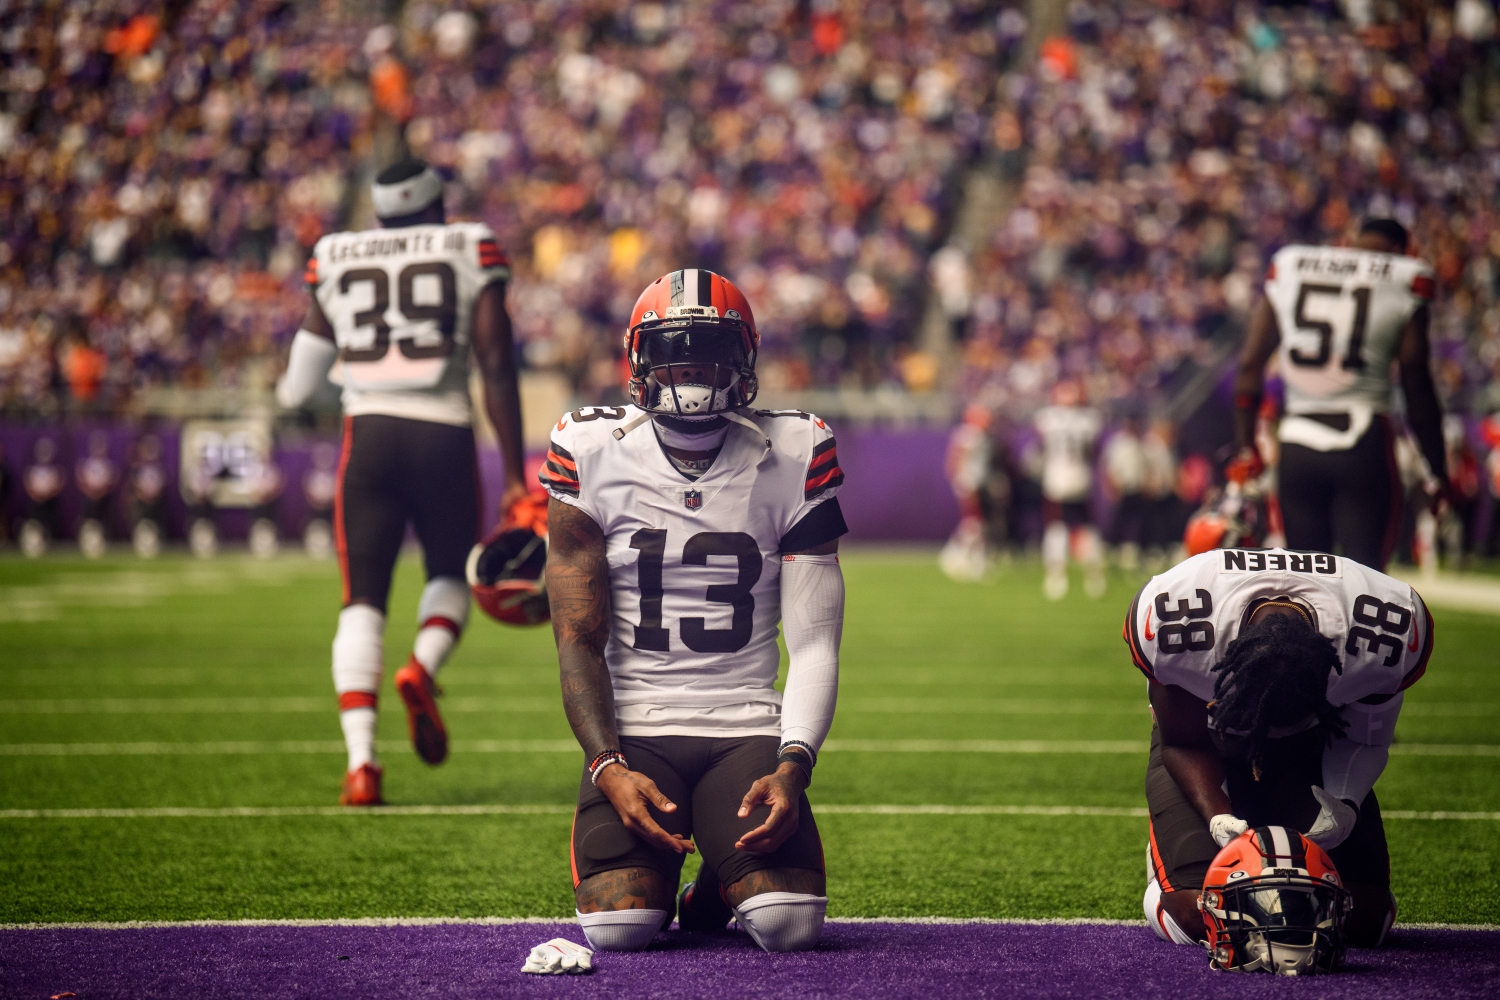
point(456, 961)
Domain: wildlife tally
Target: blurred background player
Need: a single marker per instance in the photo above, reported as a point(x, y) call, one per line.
point(43, 481)
point(968, 463)
point(1339, 317)
point(97, 476)
point(266, 485)
point(401, 309)
point(1124, 468)
point(148, 497)
point(1069, 431)
point(319, 485)
point(1275, 680)
point(669, 659)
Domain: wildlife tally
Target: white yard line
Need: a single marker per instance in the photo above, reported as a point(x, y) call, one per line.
point(1463, 593)
point(836, 746)
point(547, 809)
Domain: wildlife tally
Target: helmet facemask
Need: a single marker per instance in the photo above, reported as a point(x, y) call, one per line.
point(1284, 921)
point(691, 367)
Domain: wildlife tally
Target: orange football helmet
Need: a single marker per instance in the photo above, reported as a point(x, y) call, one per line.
point(1272, 901)
point(506, 571)
point(1237, 517)
point(691, 346)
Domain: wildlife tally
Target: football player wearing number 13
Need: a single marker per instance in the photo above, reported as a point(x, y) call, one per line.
point(1275, 680)
point(401, 308)
point(682, 528)
point(1339, 316)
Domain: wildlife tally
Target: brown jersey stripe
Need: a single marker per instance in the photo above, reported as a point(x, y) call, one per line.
point(1133, 641)
point(563, 461)
point(1415, 674)
point(827, 481)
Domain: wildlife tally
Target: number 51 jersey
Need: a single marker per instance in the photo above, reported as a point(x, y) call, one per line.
point(1182, 622)
point(695, 565)
point(401, 304)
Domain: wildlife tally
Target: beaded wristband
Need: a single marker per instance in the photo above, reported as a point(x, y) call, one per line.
point(604, 760)
point(812, 755)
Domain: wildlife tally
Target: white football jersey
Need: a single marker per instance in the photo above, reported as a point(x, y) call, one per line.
point(695, 565)
point(1182, 622)
point(1068, 436)
point(1340, 313)
point(401, 304)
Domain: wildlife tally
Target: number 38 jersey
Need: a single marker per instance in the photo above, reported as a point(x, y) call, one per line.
point(1340, 313)
point(401, 304)
point(695, 566)
point(1181, 623)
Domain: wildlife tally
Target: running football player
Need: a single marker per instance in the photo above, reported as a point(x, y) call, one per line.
point(1339, 316)
point(1275, 680)
point(400, 309)
point(682, 528)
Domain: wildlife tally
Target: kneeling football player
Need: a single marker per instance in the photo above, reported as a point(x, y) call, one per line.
point(1275, 680)
point(682, 528)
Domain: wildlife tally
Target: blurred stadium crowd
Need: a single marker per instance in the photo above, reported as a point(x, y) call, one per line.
point(165, 170)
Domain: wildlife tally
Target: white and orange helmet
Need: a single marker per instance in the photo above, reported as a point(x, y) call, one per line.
point(1273, 901)
point(691, 346)
point(507, 571)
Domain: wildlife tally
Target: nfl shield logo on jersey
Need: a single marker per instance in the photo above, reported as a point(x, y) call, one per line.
point(693, 499)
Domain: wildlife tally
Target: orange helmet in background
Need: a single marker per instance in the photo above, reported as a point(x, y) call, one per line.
point(1273, 901)
point(506, 571)
point(691, 346)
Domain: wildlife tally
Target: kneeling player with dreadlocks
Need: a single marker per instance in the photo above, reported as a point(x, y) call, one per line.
point(1275, 680)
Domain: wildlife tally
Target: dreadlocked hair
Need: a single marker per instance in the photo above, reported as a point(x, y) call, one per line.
point(1273, 676)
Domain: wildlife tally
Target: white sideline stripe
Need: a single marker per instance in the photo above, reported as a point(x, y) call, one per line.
point(1464, 593)
point(231, 747)
point(548, 809)
point(132, 925)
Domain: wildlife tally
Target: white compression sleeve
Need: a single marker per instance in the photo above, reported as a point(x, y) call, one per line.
point(1353, 762)
point(306, 369)
point(812, 620)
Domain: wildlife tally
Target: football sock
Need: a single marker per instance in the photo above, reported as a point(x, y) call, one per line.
point(783, 921)
point(359, 735)
point(441, 616)
point(621, 930)
point(1160, 920)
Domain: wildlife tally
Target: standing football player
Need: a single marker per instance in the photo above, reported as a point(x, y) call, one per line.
point(401, 308)
point(1275, 679)
point(1069, 431)
point(1339, 316)
point(682, 528)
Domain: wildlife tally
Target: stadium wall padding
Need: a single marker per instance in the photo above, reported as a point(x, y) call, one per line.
point(894, 488)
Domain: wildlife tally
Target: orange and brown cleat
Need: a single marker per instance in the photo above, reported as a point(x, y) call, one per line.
point(428, 734)
point(362, 787)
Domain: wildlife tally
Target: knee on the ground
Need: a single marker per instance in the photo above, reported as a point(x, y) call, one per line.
point(622, 930)
point(783, 921)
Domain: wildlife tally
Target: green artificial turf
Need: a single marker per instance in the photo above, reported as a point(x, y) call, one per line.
point(98, 652)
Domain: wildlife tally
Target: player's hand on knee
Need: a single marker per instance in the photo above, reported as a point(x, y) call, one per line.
point(1225, 827)
point(1336, 819)
point(630, 792)
point(780, 790)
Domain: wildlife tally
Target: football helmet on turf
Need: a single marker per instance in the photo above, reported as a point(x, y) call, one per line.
point(506, 570)
point(1272, 901)
point(691, 346)
point(1236, 518)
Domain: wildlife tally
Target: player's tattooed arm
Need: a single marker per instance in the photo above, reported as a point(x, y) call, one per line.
point(578, 592)
point(1261, 340)
point(494, 350)
point(1187, 750)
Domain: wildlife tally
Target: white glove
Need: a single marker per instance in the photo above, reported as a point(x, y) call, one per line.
point(1334, 823)
point(1225, 827)
point(557, 957)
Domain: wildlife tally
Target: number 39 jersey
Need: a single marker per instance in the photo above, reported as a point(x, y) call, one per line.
point(694, 566)
point(401, 304)
point(1182, 622)
point(1340, 313)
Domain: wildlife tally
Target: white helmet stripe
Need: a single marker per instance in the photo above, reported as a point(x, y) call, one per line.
point(690, 287)
point(1281, 844)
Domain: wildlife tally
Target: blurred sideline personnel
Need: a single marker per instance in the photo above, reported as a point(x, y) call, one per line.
point(1339, 316)
point(1069, 432)
point(1275, 680)
point(401, 307)
point(682, 528)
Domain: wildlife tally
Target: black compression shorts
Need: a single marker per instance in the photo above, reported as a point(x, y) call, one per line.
point(1350, 498)
point(394, 471)
point(706, 777)
point(1182, 848)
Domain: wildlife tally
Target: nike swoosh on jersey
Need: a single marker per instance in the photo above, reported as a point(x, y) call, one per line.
point(1149, 634)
